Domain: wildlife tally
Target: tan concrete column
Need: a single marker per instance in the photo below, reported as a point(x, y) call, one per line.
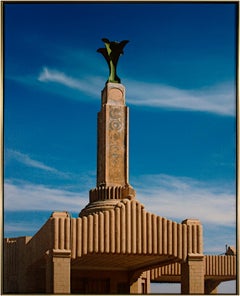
point(112, 167)
point(112, 152)
point(193, 267)
point(58, 272)
point(192, 274)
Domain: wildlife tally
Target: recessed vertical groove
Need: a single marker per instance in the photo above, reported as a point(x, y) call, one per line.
point(79, 237)
point(112, 231)
point(61, 232)
point(56, 233)
point(189, 238)
point(144, 234)
point(112, 192)
point(212, 264)
point(128, 227)
point(139, 228)
point(118, 230)
point(194, 239)
point(133, 227)
point(200, 240)
point(101, 232)
point(90, 233)
point(206, 259)
point(184, 241)
point(169, 236)
point(226, 265)
point(164, 235)
point(149, 233)
point(179, 268)
point(216, 265)
point(174, 241)
point(95, 233)
point(205, 264)
point(106, 232)
point(122, 228)
point(159, 234)
point(179, 241)
point(84, 235)
point(73, 238)
point(231, 265)
point(167, 269)
point(154, 233)
point(234, 265)
point(220, 265)
point(67, 234)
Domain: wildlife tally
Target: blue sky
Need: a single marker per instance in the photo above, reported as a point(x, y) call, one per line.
point(179, 70)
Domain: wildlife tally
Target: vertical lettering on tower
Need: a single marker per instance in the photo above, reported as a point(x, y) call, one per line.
point(116, 144)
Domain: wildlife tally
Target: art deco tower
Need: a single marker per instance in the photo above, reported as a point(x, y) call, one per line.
point(113, 131)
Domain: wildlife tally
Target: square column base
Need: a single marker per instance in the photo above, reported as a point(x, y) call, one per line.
point(58, 272)
point(192, 277)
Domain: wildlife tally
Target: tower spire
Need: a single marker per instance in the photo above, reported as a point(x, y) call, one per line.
point(112, 152)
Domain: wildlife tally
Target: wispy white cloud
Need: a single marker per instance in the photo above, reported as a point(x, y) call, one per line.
point(180, 198)
point(218, 99)
point(89, 85)
point(28, 161)
point(23, 196)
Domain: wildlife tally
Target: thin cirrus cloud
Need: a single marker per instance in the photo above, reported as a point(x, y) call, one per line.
point(218, 99)
point(181, 198)
point(29, 162)
point(88, 86)
point(24, 196)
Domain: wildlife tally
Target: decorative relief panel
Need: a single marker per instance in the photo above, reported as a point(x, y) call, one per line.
point(100, 154)
point(116, 144)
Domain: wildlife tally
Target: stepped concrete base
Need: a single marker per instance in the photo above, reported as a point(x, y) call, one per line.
point(106, 198)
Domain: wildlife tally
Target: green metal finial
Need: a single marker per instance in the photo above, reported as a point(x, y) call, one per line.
point(111, 53)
